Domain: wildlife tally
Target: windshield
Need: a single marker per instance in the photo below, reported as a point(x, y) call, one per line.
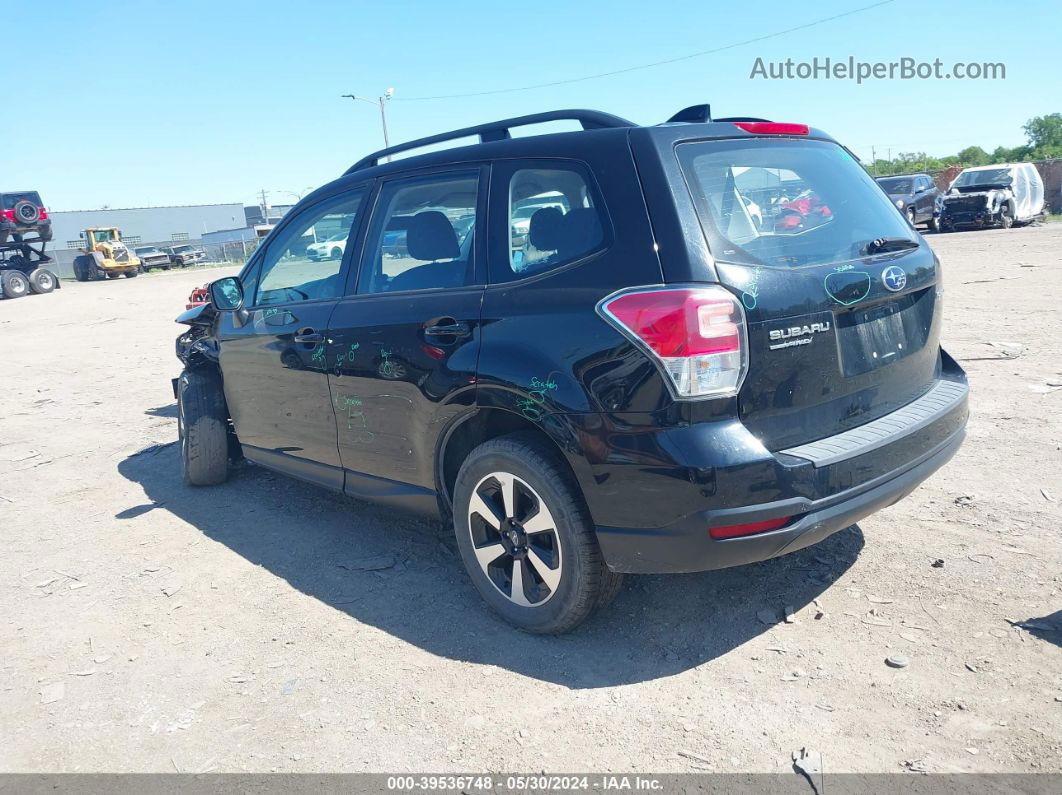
point(989, 176)
point(147, 250)
point(894, 185)
point(786, 203)
point(177, 249)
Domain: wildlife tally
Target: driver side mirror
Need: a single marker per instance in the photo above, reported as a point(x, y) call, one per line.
point(227, 294)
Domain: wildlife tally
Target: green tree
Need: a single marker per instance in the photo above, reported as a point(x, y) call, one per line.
point(1044, 132)
point(974, 156)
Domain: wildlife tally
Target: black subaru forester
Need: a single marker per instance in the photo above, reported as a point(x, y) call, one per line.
point(621, 349)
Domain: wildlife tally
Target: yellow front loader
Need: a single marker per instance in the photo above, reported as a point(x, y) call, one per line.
point(104, 256)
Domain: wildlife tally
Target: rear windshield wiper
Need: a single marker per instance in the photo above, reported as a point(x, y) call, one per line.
point(883, 244)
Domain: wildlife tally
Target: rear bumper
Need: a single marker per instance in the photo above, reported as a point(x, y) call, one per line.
point(686, 546)
point(729, 479)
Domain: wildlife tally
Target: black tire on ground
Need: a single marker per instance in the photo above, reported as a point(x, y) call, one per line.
point(337, 253)
point(202, 428)
point(81, 269)
point(132, 274)
point(112, 275)
point(41, 280)
point(584, 582)
point(910, 215)
point(14, 284)
point(934, 224)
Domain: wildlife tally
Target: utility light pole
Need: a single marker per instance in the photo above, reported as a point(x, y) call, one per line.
point(381, 100)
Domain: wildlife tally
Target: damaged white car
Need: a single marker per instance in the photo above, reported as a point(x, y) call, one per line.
point(1000, 195)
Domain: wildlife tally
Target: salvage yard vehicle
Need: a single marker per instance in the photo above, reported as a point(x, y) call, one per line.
point(916, 196)
point(185, 255)
point(152, 257)
point(104, 256)
point(25, 230)
point(1000, 195)
point(22, 214)
point(664, 385)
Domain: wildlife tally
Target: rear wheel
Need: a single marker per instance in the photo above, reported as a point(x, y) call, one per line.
point(202, 428)
point(41, 281)
point(132, 274)
point(526, 537)
point(14, 284)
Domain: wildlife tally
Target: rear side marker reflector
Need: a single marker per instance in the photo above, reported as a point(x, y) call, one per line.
point(772, 128)
point(750, 529)
point(696, 335)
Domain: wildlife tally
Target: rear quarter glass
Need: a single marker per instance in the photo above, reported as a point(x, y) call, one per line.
point(784, 202)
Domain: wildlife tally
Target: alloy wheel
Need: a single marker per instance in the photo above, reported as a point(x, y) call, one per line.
point(515, 539)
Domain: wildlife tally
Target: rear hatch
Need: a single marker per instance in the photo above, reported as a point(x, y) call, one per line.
point(840, 294)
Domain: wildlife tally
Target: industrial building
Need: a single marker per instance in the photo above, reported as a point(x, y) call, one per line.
point(160, 226)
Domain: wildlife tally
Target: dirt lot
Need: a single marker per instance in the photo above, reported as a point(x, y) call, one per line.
point(149, 626)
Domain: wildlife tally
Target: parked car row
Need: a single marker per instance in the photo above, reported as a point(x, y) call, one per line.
point(165, 258)
point(1000, 195)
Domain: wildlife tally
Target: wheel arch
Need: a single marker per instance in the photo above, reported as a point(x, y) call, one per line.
point(490, 422)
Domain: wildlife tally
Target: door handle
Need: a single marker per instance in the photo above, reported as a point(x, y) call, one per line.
point(307, 336)
point(454, 329)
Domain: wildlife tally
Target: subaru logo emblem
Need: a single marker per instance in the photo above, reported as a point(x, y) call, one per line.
point(894, 278)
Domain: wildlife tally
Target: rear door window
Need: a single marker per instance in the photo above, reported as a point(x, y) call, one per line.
point(786, 203)
point(554, 218)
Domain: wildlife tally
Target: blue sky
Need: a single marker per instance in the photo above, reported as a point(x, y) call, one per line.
point(141, 103)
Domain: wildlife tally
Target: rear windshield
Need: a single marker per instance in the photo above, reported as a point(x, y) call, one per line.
point(786, 203)
point(895, 185)
point(11, 199)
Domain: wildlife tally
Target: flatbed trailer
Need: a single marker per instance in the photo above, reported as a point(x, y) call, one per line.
point(23, 268)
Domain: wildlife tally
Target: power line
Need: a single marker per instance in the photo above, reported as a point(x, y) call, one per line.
point(680, 58)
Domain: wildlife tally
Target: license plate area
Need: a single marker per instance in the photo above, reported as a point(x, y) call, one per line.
point(875, 336)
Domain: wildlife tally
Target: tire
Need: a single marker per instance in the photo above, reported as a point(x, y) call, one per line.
point(81, 271)
point(910, 215)
point(202, 428)
point(561, 570)
point(111, 275)
point(41, 281)
point(132, 274)
point(934, 224)
point(1006, 221)
point(14, 284)
point(337, 253)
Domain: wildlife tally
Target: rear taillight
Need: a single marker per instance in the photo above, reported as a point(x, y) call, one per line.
point(9, 215)
point(43, 215)
point(748, 529)
point(772, 128)
point(696, 334)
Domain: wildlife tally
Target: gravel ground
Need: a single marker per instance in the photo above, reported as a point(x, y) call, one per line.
point(149, 626)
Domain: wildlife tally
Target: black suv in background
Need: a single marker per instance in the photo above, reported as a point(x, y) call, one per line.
point(917, 197)
point(714, 343)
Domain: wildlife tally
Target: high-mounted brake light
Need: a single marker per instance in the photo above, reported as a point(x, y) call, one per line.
point(697, 335)
point(772, 128)
point(749, 529)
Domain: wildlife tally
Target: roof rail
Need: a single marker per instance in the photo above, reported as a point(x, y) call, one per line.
point(498, 131)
